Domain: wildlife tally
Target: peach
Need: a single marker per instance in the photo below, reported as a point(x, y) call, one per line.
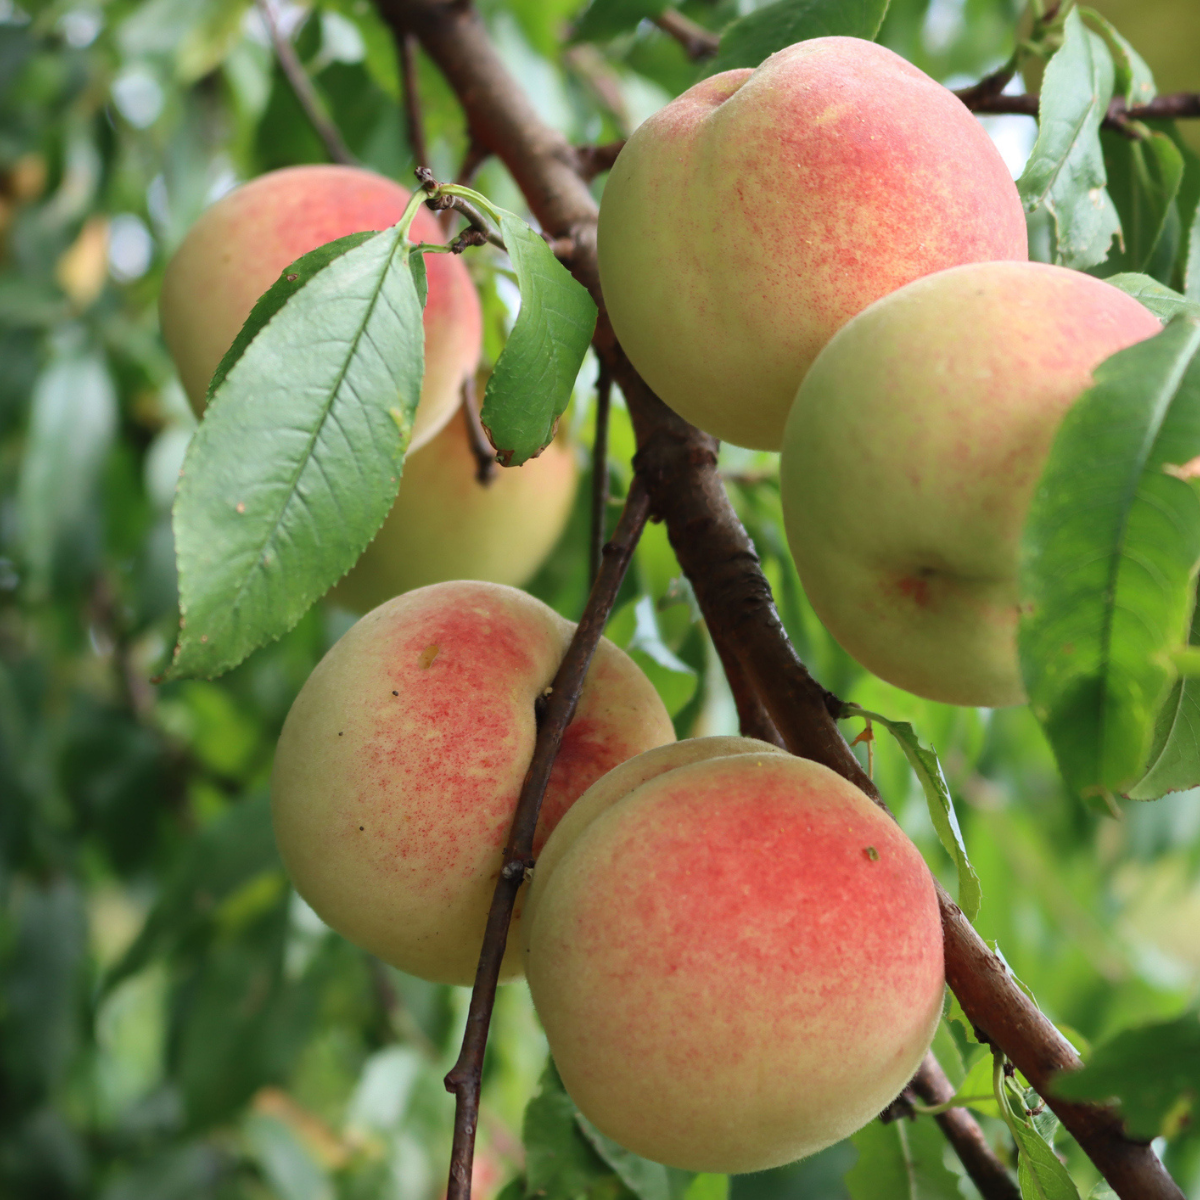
point(912, 454)
point(238, 247)
point(737, 961)
point(747, 220)
point(445, 525)
point(401, 760)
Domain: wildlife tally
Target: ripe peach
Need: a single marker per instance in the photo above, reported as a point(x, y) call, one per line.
point(737, 962)
point(445, 525)
point(759, 211)
point(911, 457)
point(238, 247)
point(401, 760)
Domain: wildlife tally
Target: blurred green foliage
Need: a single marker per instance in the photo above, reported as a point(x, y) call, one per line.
point(174, 1022)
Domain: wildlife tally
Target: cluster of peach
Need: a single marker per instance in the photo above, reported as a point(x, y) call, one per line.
point(736, 955)
point(827, 257)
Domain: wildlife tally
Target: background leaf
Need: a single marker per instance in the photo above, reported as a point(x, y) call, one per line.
point(1153, 1071)
point(1065, 172)
point(759, 34)
point(604, 19)
point(901, 1160)
point(1146, 175)
point(71, 429)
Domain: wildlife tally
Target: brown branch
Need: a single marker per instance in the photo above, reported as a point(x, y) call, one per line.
point(1163, 108)
point(600, 472)
point(678, 464)
point(306, 94)
point(413, 119)
point(962, 1131)
point(1169, 108)
point(595, 160)
point(477, 438)
point(698, 43)
point(989, 86)
point(465, 1077)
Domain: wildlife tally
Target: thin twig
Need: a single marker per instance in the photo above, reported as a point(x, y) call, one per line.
point(698, 43)
point(679, 466)
point(600, 472)
point(414, 121)
point(962, 1131)
point(595, 160)
point(484, 451)
point(306, 94)
point(561, 698)
point(477, 231)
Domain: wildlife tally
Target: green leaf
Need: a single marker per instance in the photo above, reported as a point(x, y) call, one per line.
point(901, 1161)
point(1133, 79)
point(976, 1089)
point(298, 458)
point(1174, 761)
point(533, 377)
point(1144, 178)
point(1191, 270)
point(1152, 1071)
point(1065, 172)
point(1039, 1171)
point(645, 1179)
point(71, 429)
point(674, 680)
point(924, 762)
point(604, 19)
point(291, 279)
point(1161, 300)
point(1109, 556)
point(560, 1162)
point(758, 34)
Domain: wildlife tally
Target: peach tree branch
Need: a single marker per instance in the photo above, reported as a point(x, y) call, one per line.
point(555, 715)
point(678, 465)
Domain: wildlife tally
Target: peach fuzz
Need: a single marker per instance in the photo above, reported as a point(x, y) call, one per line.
point(754, 215)
point(400, 763)
point(445, 525)
point(912, 454)
point(240, 244)
point(736, 963)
